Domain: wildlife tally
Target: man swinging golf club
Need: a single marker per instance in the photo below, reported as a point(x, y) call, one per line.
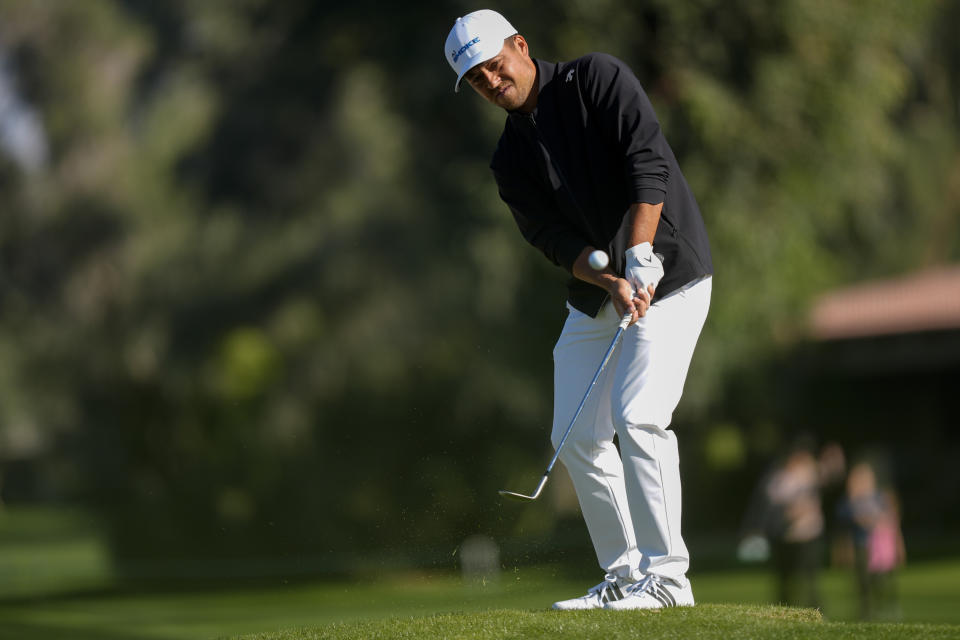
point(583, 165)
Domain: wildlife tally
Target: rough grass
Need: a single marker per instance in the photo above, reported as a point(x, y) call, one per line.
point(703, 622)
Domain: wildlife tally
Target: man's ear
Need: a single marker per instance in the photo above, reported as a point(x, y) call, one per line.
point(520, 43)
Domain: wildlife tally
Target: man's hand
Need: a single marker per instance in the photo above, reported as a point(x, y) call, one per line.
point(627, 300)
point(623, 295)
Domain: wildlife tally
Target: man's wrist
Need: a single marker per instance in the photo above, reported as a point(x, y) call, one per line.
point(642, 250)
point(644, 268)
point(609, 281)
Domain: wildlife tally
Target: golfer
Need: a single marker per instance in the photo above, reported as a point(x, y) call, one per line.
point(583, 165)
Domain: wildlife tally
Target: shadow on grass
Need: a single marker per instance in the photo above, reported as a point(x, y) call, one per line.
point(21, 631)
point(162, 586)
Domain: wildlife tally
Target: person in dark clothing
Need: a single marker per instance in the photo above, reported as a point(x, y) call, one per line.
point(583, 166)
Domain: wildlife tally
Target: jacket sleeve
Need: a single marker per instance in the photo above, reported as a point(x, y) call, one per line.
point(537, 218)
point(627, 120)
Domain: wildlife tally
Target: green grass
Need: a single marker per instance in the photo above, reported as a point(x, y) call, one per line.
point(55, 583)
point(49, 550)
point(704, 622)
point(405, 603)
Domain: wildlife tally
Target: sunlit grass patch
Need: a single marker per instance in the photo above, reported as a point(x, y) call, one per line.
point(703, 622)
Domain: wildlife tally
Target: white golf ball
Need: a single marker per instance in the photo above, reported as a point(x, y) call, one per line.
point(599, 260)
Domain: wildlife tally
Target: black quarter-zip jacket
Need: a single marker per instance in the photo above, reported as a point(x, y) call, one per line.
point(570, 170)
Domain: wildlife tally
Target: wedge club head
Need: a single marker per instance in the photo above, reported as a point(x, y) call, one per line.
point(513, 495)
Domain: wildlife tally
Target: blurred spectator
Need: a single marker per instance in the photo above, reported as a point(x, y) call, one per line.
point(833, 470)
point(786, 517)
point(873, 518)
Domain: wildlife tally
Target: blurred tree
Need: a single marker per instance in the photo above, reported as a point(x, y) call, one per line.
point(263, 297)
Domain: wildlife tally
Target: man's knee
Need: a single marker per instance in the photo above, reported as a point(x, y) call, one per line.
point(646, 440)
point(577, 441)
point(643, 419)
point(582, 444)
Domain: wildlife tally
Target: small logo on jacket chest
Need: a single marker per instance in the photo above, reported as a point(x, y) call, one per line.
point(570, 75)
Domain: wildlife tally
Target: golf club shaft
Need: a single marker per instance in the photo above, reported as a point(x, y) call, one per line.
point(624, 322)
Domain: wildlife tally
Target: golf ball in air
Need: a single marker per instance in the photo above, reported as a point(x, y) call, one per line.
point(599, 260)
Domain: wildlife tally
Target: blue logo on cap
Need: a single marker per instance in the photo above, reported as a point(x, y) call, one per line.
point(457, 54)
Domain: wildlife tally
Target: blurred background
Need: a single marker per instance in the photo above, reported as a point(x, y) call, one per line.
point(263, 317)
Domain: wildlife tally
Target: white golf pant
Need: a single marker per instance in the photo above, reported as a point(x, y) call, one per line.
point(630, 499)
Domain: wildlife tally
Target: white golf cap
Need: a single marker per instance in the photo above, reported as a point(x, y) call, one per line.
point(475, 38)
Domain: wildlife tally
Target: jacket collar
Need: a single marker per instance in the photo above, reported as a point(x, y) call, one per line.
point(545, 74)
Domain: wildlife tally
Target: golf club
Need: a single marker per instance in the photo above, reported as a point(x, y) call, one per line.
point(543, 481)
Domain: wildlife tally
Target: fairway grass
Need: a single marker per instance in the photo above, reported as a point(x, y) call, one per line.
point(439, 605)
point(703, 622)
point(56, 584)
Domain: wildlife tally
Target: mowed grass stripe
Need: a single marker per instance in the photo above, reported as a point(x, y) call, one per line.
point(703, 622)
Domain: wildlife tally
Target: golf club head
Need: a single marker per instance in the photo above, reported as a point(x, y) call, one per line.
point(513, 495)
point(517, 496)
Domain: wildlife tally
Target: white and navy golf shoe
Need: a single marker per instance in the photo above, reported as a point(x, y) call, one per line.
point(653, 592)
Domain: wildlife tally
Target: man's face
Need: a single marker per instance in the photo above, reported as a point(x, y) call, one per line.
point(507, 79)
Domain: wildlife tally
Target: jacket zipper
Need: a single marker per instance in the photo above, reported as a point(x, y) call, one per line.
point(556, 167)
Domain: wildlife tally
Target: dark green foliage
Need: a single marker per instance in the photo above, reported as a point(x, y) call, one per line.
point(264, 299)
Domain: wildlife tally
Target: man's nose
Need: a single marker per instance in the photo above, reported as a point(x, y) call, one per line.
point(492, 79)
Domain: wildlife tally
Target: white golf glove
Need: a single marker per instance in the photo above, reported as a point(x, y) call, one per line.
point(644, 267)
